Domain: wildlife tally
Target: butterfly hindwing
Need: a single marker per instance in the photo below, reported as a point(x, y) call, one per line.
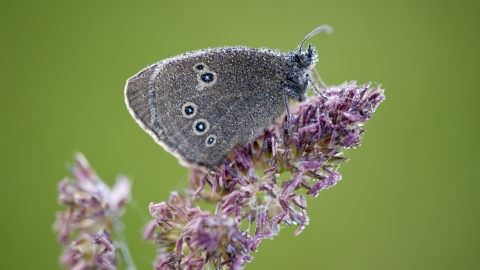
point(202, 104)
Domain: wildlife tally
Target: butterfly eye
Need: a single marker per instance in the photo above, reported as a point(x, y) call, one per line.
point(207, 77)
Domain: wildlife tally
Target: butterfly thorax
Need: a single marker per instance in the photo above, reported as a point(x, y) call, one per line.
point(299, 65)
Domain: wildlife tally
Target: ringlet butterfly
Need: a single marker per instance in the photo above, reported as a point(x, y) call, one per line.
point(200, 105)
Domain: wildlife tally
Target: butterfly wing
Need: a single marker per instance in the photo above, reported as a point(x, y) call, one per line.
point(200, 105)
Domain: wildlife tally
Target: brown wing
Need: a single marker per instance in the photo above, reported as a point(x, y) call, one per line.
point(202, 104)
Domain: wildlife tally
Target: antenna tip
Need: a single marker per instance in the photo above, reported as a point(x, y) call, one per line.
point(324, 28)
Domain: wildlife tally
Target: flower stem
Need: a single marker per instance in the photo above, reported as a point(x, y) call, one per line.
point(122, 241)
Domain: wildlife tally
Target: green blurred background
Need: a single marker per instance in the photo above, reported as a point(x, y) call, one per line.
point(409, 198)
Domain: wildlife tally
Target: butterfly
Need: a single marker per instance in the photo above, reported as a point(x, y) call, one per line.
point(202, 104)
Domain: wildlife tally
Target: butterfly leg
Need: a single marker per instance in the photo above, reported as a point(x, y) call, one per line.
point(285, 99)
point(315, 86)
point(319, 80)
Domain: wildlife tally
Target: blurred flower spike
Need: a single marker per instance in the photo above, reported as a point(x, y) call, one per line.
point(248, 187)
point(93, 212)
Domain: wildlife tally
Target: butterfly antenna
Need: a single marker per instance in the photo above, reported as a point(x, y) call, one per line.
point(323, 28)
